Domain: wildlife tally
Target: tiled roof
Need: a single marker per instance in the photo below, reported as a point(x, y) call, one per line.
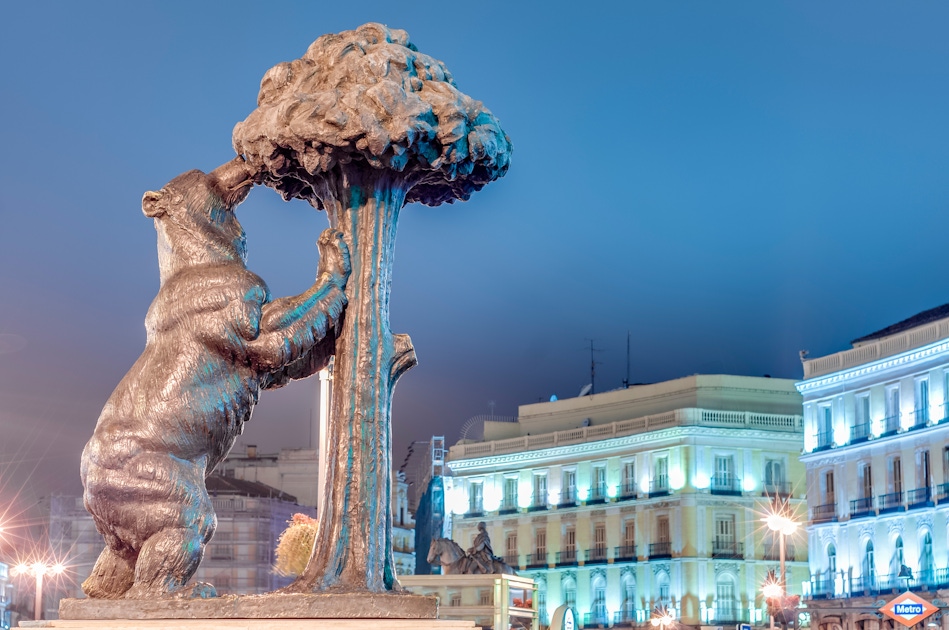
point(920, 319)
point(219, 485)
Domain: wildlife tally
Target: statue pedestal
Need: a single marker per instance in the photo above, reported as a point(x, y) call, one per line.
point(291, 611)
point(267, 606)
point(252, 624)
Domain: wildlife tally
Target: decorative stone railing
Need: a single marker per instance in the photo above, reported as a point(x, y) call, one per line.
point(678, 417)
point(872, 351)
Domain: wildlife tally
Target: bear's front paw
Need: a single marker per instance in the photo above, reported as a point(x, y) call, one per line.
point(334, 255)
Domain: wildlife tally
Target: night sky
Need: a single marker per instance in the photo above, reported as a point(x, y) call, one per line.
point(729, 182)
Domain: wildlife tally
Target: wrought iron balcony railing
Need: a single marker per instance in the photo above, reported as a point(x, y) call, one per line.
point(890, 501)
point(625, 552)
point(919, 497)
point(824, 513)
point(597, 555)
point(660, 550)
point(860, 432)
point(725, 484)
point(536, 560)
point(567, 558)
point(727, 549)
point(862, 507)
point(773, 552)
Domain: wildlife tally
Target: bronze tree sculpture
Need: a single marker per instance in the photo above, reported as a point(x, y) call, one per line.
point(359, 126)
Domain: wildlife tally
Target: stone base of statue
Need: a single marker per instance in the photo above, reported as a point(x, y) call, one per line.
point(268, 606)
point(304, 611)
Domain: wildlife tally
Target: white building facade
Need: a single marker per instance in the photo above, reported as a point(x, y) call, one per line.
point(640, 499)
point(877, 460)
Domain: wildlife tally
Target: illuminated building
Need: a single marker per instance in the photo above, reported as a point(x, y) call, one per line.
point(640, 499)
point(876, 451)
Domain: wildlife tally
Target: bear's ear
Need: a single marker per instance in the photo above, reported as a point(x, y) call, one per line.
point(151, 204)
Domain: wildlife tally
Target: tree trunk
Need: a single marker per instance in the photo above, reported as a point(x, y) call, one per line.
point(353, 549)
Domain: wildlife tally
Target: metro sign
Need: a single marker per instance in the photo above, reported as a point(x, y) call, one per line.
point(908, 609)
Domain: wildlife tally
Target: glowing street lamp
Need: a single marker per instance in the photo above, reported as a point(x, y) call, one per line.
point(773, 592)
point(39, 570)
point(784, 526)
point(662, 619)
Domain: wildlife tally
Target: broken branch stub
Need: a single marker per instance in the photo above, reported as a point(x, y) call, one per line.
point(368, 96)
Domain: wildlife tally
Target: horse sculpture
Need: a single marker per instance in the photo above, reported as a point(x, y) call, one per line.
point(455, 561)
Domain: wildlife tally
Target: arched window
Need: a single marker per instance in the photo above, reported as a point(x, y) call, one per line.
point(831, 560)
point(869, 566)
point(664, 599)
point(599, 601)
point(898, 559)
point(629, 598)
point(570, 592)
point(926, 559)
point(726, 605)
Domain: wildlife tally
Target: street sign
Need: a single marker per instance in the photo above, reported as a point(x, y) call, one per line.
point(908, 609)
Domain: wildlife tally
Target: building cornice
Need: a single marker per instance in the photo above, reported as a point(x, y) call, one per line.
point(610, 446)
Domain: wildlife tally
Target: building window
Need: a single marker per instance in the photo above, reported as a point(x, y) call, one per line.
point(896, 564)
point(475, 498)
point(891, 423)
point(569, 592)
point(599, 601)
point(724, 544)
point(540, 547)
point(774, 480)
point(831, 561)
point(665, 596)
point(861, 419)
point(484, 597)
point(629, 598)
point(869, 566)
point(896, 475)
point(921, 403)
point(825, 426)
point(725, 479)
point(510, 494)
point(629, 533)
point(629, 479)
point(599, 542)
point(923, 477)
point(926, 559)
point(455, 599)
point(599, 482)
point(540, 489)
point(569, 554)
point(510, 549)
point(660, 480)
point(568, 493)
point(726, 608)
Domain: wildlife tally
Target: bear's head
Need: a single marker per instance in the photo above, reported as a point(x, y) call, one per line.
point(195, 220)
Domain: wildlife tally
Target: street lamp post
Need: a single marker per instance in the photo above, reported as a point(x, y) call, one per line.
point(38, 570)
point(781, 523)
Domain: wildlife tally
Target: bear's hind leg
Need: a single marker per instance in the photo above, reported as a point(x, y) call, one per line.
point(112, 575)
point(166, 562)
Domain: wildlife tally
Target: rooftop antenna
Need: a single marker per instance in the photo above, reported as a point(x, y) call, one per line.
point(592, 367)
point(626, 380)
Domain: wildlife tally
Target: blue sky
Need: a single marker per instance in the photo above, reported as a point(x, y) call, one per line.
point(730, 182)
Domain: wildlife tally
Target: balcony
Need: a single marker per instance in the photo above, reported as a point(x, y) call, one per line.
point(625, 553)
point(776, 489)
point(538, 502)
point(568, 498)
point(597, 495)
point(597, 555)
point(660, 550)
point(659, 487)
point(508, 506)
point(920, 497)
point(890, 502)
point(596, 619)
point(626, 616)
point(891, 425)
point(627, 491)
point(511, 560)
point(860, 432)
point(728, 549)
point(725, 484)
point(536, 560)
point(824, 513)
point(567, 558)
point(942, 492)
point(773, 552)
point(862, 507)
point(729, 614)
point(825, 440)
point(920, 418)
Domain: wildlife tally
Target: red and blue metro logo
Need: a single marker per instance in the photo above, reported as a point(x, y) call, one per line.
point(908, 609)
